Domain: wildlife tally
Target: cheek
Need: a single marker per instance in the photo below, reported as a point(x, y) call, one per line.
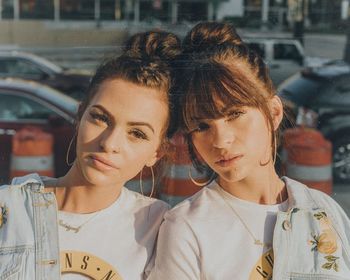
point(87, 134)
point(201, 146)
point(258, 138)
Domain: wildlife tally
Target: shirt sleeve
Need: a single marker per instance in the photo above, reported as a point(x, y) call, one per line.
point(177, 255)
point(159, 209)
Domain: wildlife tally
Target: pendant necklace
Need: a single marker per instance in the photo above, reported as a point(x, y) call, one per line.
point(256, 240)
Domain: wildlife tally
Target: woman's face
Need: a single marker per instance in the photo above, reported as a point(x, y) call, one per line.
point(235, 146)
point(120, 132)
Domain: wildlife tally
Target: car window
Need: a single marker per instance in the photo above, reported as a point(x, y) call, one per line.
point(300, 90)
point(286, 51)
point(18, 67)
point(335, 95)
point(258, 48)
point(15, 107)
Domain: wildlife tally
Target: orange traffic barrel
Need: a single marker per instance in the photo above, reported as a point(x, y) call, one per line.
point(176, 184)
point(32, 151)
point(307, 157)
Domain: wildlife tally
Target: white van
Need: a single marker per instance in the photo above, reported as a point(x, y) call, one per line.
point(284, 57)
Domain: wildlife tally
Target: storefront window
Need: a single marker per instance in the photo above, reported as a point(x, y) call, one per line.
point(36, 9)
point(7, 9)
point(77, 10)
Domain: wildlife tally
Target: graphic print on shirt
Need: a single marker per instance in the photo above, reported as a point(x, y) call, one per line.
point(263, 268)
point(88, 265)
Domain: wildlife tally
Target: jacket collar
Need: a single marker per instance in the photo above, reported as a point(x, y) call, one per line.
point(32, 181)
point(299, 195)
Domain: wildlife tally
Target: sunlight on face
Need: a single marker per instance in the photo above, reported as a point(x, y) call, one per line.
point(234, 146)
point(120, 132)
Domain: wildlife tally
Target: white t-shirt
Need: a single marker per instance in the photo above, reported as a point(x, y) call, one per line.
point(118, 240)
point(202, 238)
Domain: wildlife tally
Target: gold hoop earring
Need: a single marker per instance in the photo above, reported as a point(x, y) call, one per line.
point(200, 184)
point(141, 183)
point(68, 150)
point(274, 153)
point(274, 149)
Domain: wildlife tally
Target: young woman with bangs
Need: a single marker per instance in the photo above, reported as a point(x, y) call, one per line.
point(246, 222)
point(86, 224)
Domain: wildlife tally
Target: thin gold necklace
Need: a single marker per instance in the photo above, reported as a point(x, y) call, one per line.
point(76, 229)
point(256, 240)
point(69, 227)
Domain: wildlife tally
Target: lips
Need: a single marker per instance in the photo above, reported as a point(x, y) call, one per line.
point(225, 161)
point(102, 163)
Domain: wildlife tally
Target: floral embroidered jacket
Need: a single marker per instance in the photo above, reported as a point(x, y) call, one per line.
point(312, 239)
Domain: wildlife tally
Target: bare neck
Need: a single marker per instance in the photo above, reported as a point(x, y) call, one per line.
point(262, 186)
point(75, 194)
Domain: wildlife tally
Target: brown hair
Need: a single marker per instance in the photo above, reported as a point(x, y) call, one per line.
point(146, 60)
point(217, 65)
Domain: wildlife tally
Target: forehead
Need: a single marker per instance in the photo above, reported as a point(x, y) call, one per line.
point(124, 99)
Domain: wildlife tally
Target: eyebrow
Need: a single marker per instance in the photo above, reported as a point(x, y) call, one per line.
point(102, 109)
point(141, 124)
point(129, 123)
point(225, 111)
point(231, 109)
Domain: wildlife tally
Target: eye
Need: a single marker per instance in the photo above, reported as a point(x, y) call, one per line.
point(99, 117)
point(201, 127)
point(139, 134)
point(234, 115)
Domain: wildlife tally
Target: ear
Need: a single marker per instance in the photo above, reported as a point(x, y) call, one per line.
point(156, 156)
point(276, 111)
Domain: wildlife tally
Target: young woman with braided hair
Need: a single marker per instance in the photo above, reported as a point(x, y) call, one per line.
point(246, 223)
point(86, 224)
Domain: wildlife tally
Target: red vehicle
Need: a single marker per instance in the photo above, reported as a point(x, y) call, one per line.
point(24, 103)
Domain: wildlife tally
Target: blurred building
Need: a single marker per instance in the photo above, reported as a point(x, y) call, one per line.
point(133, 10)
point(280, 13)
point(251, 13)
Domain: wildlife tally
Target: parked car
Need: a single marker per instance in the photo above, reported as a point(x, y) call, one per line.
point(25, 103)
point(326, 90)
point(284, 57)
point(32, 67)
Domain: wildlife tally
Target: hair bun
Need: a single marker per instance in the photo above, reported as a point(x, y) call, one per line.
point(153, 45)
point(207, 35)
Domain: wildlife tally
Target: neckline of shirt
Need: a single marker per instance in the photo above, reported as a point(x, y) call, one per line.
point(111, 208)
point(245, 203)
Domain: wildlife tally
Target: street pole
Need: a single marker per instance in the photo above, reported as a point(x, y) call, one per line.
point(98, 13)
point(347, 44)
point(16, 9)
point(265, 13)
point(56, 5)
point(174, 11)
point(136, 11)
point(299, 17)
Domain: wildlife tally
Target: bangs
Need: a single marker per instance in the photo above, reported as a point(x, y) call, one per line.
point(214, 88)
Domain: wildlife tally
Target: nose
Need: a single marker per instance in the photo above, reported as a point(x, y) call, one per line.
point(223, 135)
point(111, 140)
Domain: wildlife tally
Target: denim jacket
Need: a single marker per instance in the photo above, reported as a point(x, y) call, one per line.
point(312, 239)
point(28, 231)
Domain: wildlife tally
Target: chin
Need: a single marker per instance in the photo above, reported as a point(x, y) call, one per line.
point(95, 177)
point(233, 176)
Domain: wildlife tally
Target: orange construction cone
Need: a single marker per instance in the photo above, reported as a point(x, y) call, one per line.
point(32, 151)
